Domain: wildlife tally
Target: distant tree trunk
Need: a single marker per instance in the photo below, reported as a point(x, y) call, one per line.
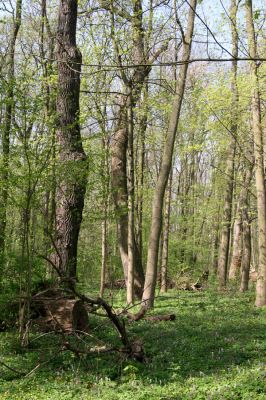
point(246, 257)
point(215, 246)
point(9, 110)
point(242, 205)
point(259, 159)
point(104, 255)
point(165, 236)
point(237, 246)
point(71, 190)
point(157, 206)
point(229, 170)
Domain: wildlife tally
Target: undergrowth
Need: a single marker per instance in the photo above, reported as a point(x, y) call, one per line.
point(215, 349)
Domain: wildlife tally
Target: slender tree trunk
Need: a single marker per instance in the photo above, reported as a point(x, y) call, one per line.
point(157, 206)
point(141, 162)
point(165, 236)
point(237, 246)
point(259, 159)
point(131, 225)
point(229, 170)
point(71, 190)
point(246, 248)
point(120, 143)
point(104, 255)
point(47, 40)
point(9, 110)
point(106, 200)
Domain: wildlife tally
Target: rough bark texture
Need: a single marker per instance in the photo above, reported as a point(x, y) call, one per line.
point(9, 110)
point(259, 159)
point(157, 206)
point(71, 189)
point(229, 170)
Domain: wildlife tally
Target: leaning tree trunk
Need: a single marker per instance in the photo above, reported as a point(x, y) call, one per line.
point(10, 60)
point(157, 206)
point(229, 171)
point(71, 189)
point(259, 159)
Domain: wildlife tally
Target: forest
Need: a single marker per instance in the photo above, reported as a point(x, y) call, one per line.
point(133, 199)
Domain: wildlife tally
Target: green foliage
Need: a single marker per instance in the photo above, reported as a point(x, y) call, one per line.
point(215, 349)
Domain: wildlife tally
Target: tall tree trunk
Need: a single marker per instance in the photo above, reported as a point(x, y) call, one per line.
point(47, 39)
point(106, 200)
point(131, 225)
point(120, 142)
point(259, 159)
point(229, 170)
point(9, 110)
point(165, 236)
point(157, 206)
point(71, 190)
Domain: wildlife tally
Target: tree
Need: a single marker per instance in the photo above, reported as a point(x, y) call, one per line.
point(229, 171)
point(157, 205)
point(72, 160)
point(259, 157)
point(8, 122)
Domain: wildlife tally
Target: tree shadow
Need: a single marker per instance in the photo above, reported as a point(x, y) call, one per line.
point(204, 339)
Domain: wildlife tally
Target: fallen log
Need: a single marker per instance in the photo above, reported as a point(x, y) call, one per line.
point(153, 318)
point(63, 314)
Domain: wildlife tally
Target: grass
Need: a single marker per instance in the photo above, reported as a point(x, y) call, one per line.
point(215, 349)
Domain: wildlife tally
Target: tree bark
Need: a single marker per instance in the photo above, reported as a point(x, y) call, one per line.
point(223, 258)
point(8, 122)
point(157, 206)
point(259, 159)
point(120, 142)
point(71, 189)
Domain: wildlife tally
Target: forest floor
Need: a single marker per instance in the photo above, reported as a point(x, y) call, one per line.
point(215, 349)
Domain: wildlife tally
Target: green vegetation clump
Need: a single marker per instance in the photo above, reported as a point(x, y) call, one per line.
point(215, 349)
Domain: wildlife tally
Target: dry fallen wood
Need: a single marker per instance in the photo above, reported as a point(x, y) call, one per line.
point(154, 318)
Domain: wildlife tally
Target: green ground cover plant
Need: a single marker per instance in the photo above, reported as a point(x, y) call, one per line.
point(215, 349)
